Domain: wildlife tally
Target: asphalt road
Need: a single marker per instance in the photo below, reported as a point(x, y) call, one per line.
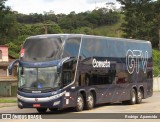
point(149, 105)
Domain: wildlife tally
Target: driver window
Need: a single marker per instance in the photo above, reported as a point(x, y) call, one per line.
point(68, 72)
point(66, 78)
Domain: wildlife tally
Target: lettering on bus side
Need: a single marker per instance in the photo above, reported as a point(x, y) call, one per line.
point(133, 58)
point(100, 64)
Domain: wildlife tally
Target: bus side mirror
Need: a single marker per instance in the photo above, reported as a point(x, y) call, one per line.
point(10, 67)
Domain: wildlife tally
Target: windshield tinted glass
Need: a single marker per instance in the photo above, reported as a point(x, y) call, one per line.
point(42, 49)
point(39, 78)
point(71, 48)
point(50, 48)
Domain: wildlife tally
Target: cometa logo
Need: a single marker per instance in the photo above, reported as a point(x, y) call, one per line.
point(100, 64)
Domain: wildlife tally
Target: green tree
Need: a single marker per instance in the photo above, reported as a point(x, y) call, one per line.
point(54, 28)
point(83, 30)
point(140, 20)
point(8, 23)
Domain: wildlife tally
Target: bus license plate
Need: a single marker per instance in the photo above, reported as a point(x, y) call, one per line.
point(36, 105)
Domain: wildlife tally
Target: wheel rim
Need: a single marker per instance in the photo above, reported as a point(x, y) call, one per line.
point(90, 101)
point(80, 103)
point(139, 96)
point(133, 97)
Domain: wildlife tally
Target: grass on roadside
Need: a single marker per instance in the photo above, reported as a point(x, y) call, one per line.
point(4, 100)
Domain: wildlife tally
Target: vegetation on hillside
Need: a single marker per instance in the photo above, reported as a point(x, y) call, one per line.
point(111, 30)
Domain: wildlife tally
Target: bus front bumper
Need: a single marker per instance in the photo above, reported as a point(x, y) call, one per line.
point(55, 101)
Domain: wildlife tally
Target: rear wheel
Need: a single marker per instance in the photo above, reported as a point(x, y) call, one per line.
point(90, 101)
point(139, 97)
point(41, 110)
point(80, 103)
point(132, 101)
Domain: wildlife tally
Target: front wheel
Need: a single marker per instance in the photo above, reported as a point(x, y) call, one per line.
point(90, 102)
point(80, 103)
point(41, 110)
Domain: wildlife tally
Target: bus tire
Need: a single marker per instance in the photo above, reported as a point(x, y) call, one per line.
point(41, 110)
point(80, 103)
point(132, 100)
point(139, 96)
point(90, 101)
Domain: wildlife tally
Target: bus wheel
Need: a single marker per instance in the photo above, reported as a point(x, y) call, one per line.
point(80, 103)
point(132, 101)
point(139, 97)
point(41, 110)
point(90, 101)
point(53, 109)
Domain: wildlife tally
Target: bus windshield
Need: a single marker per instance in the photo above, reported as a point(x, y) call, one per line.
point(39, 78)
point(42, 49)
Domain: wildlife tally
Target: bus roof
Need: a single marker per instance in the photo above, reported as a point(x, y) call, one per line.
point(83, 35)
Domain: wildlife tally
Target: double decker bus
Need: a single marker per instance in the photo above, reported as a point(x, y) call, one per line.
point(57, 71)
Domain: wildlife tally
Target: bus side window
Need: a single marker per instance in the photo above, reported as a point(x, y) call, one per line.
point(85, 79)
point(66, 78)
point(82, 80)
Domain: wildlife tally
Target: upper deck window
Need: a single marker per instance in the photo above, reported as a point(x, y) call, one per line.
point(50, 48)
point(71, 48)
point(42, 49)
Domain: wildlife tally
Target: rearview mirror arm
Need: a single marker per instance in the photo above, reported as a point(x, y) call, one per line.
point(10, 67)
